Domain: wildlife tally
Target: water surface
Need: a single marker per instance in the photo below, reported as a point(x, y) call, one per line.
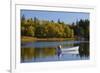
point(44, 51)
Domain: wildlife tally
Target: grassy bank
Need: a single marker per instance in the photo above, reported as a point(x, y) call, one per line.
point(30, 39)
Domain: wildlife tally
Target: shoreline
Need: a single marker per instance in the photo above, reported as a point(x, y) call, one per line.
point(30, 39)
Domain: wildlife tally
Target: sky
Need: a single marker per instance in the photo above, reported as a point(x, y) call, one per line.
point(67, 17)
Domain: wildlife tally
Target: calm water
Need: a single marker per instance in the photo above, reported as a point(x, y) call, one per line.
point(44, 51)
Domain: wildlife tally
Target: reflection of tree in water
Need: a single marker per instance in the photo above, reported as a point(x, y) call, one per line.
point(84, 50)
point(27, 53)
point(30, 53)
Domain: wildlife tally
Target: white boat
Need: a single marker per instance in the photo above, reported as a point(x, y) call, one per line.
point(70, 52)
point(70, 49)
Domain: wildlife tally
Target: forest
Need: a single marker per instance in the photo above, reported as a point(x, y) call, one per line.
point(36, 28)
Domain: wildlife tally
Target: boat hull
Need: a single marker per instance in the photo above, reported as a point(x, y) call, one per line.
point(70, 49)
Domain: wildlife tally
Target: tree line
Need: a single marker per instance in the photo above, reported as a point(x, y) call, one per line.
point(50, 29)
